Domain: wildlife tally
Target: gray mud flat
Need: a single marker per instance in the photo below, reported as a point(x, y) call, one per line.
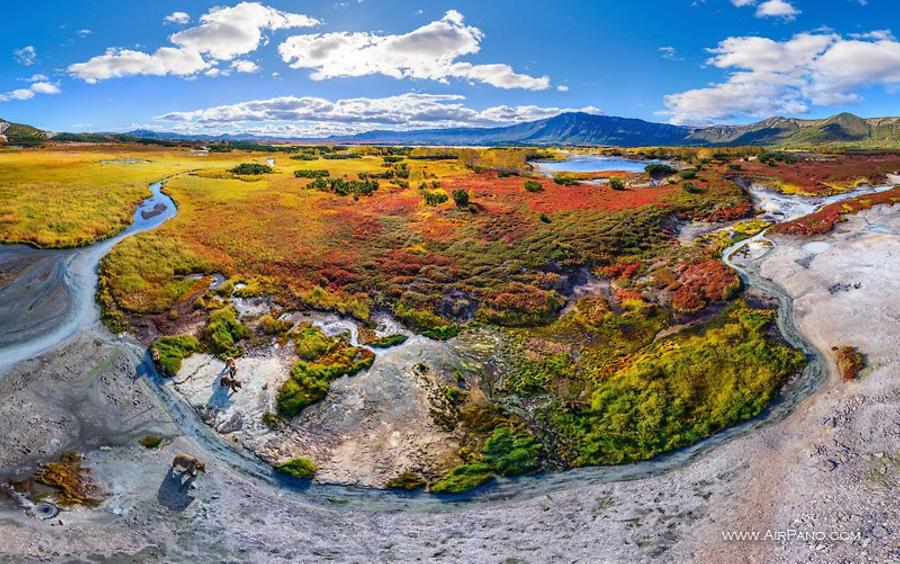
point(33, 296)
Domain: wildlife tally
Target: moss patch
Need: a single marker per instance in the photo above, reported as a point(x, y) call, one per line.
point(298, 468)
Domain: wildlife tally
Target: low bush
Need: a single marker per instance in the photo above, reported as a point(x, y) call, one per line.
point(312, 173)
point(564, 179)
point(616, 184)
point(534, 186)
point(435, 197)
point(461, 198)
point(659, 170)
point(343, 187)
point(850, 361)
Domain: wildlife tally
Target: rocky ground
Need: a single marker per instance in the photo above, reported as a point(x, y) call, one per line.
point(832, 466)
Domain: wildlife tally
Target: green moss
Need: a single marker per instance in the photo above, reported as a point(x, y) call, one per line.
point(298, 468)
point(271, 420)
point(463, 478)
point(310, 343)
point(388, 341)
point(678, 391)
point(324, 359)
point(406, 481)
point(168, 352)
point(442, 332)
point(273, 326)
point(511, 453)
point(223, 331)
point(151, 441)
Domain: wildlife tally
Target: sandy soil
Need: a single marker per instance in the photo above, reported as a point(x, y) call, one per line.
point(831, 466)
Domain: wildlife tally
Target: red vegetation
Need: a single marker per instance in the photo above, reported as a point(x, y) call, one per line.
point(823, 220)
point(487, 187)
point(850, 362)
point(623, 270)
point(701, 283)
point(813, 175)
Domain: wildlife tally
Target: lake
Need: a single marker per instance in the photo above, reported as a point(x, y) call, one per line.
point(593, 163)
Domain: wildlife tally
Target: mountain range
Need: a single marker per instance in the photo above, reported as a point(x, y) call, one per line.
point(571, 128)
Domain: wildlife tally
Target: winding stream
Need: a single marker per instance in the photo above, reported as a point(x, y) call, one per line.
point(79, 269)
point(30, 334)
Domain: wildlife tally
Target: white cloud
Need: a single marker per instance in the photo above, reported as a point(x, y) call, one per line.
point(777, 9)
point(36, 78)
point(117, 63)
point(223, 34)
point(38, 87)
point(316, 116)
point(26, 56)
point(245, 66)
point(771, 8)
point(562, 88)
point(430, 52)
point(45, 88)
point(177, 18)
point(83, 32)
point(669, 53)
point(770, 77)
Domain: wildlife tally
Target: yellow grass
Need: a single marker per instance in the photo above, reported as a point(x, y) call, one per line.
point(63, 197)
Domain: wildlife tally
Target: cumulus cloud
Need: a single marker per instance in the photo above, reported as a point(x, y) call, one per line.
point(430, 52)
point(39, 85)
point(245, 66)
point(177, 18)
point(777, 9)
point(771, 8)
point(787, 77)
point(223, 34)
point(310, 115)
point(26, 56)
point(117, 63)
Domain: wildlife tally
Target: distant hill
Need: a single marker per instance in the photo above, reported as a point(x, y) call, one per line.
point(572, 128)
point(577, 128)
point(841, 129)
point(20, 134)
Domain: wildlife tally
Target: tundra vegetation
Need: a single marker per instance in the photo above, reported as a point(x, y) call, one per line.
point(850, 361)
point(603, 379)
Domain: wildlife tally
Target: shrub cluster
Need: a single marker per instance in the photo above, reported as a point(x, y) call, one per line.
point(251, 168)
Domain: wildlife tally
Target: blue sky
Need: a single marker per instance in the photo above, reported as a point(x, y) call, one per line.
point(312, 67)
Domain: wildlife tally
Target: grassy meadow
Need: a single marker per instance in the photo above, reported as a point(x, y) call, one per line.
point(72, 196)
